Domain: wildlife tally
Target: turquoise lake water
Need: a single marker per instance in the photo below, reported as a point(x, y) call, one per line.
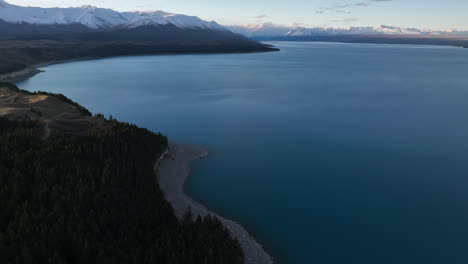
point(327, 153)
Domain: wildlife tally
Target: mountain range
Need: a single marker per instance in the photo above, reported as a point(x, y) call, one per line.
point(93, 24)
point(90, 18)
point(275, 30)
point(376, 35)
point(98, 18)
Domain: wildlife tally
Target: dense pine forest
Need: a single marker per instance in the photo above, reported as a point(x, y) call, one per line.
point(95, 199)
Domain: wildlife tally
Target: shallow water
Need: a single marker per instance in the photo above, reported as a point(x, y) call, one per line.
point(328, 153)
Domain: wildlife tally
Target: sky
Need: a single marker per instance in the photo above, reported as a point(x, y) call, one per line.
point(424, 14)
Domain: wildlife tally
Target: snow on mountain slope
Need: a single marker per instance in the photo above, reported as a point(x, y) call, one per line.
point(136, 19)
point(98, 18)
point(261, 30)
point(273, 30)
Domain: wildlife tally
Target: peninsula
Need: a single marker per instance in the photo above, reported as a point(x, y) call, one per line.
point(86, 184)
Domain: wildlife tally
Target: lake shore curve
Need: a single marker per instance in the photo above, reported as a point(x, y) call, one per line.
point(173, 170)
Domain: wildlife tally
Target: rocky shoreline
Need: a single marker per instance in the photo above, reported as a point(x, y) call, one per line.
point(172, 170)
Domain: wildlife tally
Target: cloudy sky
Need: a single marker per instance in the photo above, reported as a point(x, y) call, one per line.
point(434, 14)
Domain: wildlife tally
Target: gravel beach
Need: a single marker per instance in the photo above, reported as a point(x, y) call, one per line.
point(174, 168)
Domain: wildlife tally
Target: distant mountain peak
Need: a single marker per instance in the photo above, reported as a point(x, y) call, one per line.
point(87, 7)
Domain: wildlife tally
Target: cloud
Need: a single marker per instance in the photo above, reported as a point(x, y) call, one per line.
point(262, 16)
point(344, 8)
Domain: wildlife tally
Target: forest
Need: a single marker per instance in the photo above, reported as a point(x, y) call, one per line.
point(95, 199)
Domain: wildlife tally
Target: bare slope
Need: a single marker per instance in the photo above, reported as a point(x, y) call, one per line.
point(55, 112)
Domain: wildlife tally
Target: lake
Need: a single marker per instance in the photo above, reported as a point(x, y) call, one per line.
point(328, 153)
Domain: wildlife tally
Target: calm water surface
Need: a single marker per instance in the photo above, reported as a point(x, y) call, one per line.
point(328, 153)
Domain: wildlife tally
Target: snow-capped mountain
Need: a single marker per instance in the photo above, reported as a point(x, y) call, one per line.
point(301, 31)
point(136, 19)
point(273, 30)
point(98, 18)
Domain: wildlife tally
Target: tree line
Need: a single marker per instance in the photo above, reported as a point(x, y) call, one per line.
point(95, 199)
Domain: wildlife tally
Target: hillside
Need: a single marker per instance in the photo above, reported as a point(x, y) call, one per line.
point(54, 112)
point(93, 197)
point(26, 54)
point(32, 36)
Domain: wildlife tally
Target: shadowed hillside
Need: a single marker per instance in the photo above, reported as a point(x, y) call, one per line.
point(91, 198)
point(24, 46)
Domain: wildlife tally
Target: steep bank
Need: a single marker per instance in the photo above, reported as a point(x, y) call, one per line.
point(173, 171)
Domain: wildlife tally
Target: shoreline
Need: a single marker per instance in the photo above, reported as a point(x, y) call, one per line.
point(21, 75)
point(33, 70)
point(173, 170)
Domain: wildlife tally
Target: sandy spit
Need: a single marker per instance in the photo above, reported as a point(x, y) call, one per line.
point(22, 75)
point(173, 170)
